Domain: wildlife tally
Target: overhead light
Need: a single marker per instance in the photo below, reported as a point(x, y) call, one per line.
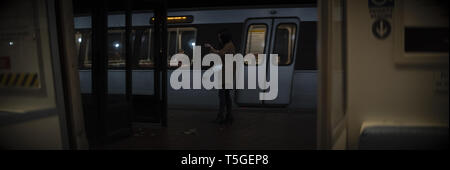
point(177, 19)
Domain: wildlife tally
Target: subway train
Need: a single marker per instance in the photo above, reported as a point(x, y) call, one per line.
point(288, 32)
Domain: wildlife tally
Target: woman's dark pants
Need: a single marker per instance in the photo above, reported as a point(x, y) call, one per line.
point(225, 103)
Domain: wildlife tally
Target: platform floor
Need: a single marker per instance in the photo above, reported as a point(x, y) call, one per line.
point(253, 128)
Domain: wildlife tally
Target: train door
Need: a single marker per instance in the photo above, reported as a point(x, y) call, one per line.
point(257, 36)
point(270, 36)
point(283, 42)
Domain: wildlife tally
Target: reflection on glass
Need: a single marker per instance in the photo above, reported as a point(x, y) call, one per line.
point(83, 48)
point(116, 55)
point(144, 52)
point(180, 40)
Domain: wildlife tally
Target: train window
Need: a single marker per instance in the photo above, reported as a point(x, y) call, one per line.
point(116, 55)
point(172, 41)
point(181, 40)
point(78, 40)
point(256, 40)
point(187, 42)
point(83, 47)
point(144, 51)
point(116, 49)
point(426, 39)
point(284, 43)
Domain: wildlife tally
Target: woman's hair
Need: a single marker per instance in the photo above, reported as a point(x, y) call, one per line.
point(225, 36)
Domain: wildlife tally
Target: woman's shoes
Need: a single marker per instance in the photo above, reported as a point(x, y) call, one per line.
point(229, 120)
point(219, 119)
point(224, 120)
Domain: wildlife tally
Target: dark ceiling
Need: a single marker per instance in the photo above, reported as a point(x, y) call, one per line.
point(84, 6)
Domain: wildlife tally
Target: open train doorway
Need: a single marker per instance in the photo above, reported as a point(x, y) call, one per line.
point(129, 101)
point(119, 67)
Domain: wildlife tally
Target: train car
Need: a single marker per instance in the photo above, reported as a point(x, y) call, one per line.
point(289, 32)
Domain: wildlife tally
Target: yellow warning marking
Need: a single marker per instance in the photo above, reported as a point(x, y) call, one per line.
point(36, 83)
point(28, 80)
point(12, 79)
point(20, 79)
point(3, 82)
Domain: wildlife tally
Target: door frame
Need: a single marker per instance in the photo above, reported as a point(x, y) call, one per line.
point(100, 66)
point(330, 134)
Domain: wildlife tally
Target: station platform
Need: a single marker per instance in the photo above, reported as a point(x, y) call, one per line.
point(252, 129)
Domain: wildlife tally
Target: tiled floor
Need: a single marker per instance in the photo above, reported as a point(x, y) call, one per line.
point(252, 129)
